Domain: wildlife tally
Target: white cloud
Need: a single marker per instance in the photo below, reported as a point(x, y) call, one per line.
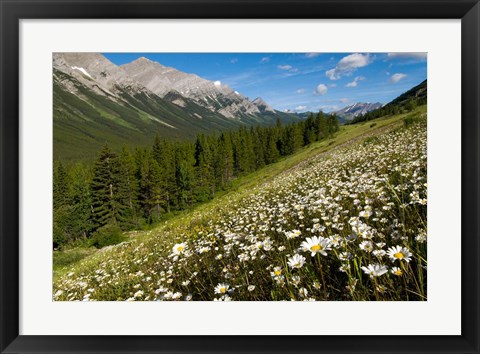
point(321, 89)
point(344, 100)
point(301, 108)
point(312, 55)
point(412, 55)
point(233, 60)
point(300, 91)
point(332, 85)
point(264, 60)
point(355, 81)
point(397, 77)
point(347, 65)
point(217, 83)
point(285, 67)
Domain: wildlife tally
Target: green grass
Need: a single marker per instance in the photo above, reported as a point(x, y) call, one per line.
point(64, 260)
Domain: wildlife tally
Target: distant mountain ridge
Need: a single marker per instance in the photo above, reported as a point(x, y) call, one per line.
point(357, 109)
point(406, 102)
point(96, 101)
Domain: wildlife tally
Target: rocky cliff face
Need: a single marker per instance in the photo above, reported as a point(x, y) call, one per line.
point(211, 95)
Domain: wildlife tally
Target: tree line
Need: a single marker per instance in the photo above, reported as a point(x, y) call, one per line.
point(134, 188)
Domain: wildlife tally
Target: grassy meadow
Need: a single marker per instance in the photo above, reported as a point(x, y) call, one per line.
point(342, 219)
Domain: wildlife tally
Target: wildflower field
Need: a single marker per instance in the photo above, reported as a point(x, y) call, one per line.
point(346, 224)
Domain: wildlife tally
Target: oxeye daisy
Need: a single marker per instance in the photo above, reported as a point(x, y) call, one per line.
point(375, 270)
point(277, 271)
point(316, 245)
point(399, 253)
point(396, 271)
point(179, 248)
point(221, 288)
point(297, 261)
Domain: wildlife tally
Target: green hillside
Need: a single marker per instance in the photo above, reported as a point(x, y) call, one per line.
point(245, 244)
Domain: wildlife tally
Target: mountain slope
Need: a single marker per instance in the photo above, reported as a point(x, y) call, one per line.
point(96, 102)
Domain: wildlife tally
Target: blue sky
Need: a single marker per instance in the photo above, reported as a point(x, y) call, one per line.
point(301, 81)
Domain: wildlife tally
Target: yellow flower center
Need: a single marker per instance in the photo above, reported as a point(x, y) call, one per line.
point(180, 248)
point(316, 248)
point(223, 290)
point(398, 272)
point(398, 255)
point(277, 272)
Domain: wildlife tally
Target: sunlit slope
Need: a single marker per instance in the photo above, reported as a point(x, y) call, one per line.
point(343, 219)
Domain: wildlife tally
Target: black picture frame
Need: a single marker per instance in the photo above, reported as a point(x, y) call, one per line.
point(12, 11)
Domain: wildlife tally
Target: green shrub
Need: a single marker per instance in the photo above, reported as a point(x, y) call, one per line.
point(107, 235)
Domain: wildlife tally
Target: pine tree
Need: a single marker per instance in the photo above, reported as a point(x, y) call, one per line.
point(321, 126)
point(259, 146)
point(106, 207)
point(224, 160)
point(60, 186)
point(271, 151)
point(332, 125)
point(81, 224)
point(184, 174)
point(309, 134)
point(128, 189)
point(204, 169)
point(151, 194)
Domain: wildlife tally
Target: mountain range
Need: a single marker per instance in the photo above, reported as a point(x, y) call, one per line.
point(96, 101)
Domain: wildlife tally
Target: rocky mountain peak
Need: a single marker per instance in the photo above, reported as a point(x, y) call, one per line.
point(262, 105)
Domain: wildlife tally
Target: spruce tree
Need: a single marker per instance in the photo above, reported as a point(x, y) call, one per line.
point(128, 189)
point(106, 174)
point(60, 186)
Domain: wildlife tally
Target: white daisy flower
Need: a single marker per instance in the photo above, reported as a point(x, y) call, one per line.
point(375, 270)
point(396, 271)
point(297, 261)
point(277, 271)
point(399, 253)
point(316, 245)
point(221, 288)
point(179, 248)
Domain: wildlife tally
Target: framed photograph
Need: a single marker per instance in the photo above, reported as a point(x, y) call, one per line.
point(244, 177)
